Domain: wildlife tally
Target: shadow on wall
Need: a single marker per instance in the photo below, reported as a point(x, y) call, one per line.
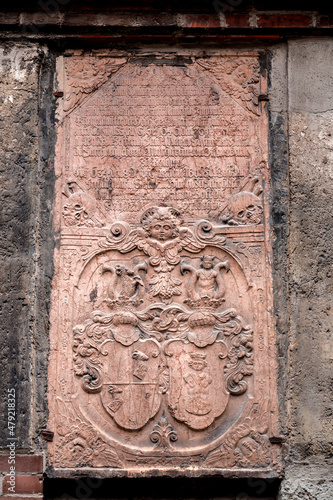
point(162, 488)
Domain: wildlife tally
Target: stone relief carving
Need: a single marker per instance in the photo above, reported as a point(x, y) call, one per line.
point(206, 285)
point(78, 441)
point(247, 445)
point(125, 285)
point(79, 208)
point(244, 207)
point(161, 332)
point(84, 75)
point(185, 353)
point(161, 238)
point(141, 346)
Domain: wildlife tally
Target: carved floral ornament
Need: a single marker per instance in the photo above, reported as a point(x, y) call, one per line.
point(161, 349)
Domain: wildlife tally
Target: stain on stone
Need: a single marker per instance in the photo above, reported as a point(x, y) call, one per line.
point(93, 294)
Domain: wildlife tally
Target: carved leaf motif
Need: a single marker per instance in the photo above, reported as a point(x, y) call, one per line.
point(164, 379)
point(105, 456)
point(163, 434)
point(247, 444)
point(165, 286)
point(240, 360)
point(68, 419)
point(79, 445)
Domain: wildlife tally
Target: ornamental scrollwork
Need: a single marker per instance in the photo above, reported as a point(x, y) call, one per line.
point(163, 328)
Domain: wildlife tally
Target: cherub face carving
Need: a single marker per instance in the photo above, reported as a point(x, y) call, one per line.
point(84, 71)
point(161, 230)
point(161, 223)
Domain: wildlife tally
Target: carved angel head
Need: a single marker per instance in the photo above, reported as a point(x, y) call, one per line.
point(77, 448)
point(161, 223)
point(83, 69)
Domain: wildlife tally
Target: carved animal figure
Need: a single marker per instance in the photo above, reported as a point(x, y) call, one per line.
point(125, 282)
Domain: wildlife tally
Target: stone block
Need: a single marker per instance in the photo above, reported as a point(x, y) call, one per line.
point(162, 283)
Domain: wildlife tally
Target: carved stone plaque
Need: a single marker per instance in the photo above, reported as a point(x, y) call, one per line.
point(162, 341)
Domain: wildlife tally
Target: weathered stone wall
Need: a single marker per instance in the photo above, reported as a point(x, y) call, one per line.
point(26, 235)
point(301, 155)
point(309, 397)
point(300, 111)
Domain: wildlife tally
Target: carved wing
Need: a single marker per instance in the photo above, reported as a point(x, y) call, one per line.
point(85, 75)
point(135, 239)
point(189, 242)
point(238, 77)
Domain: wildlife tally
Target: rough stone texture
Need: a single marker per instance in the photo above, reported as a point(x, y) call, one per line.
point(310, 261)
point(275, 62)
point(308, 481)
point(310, 249)
point(25, 232)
